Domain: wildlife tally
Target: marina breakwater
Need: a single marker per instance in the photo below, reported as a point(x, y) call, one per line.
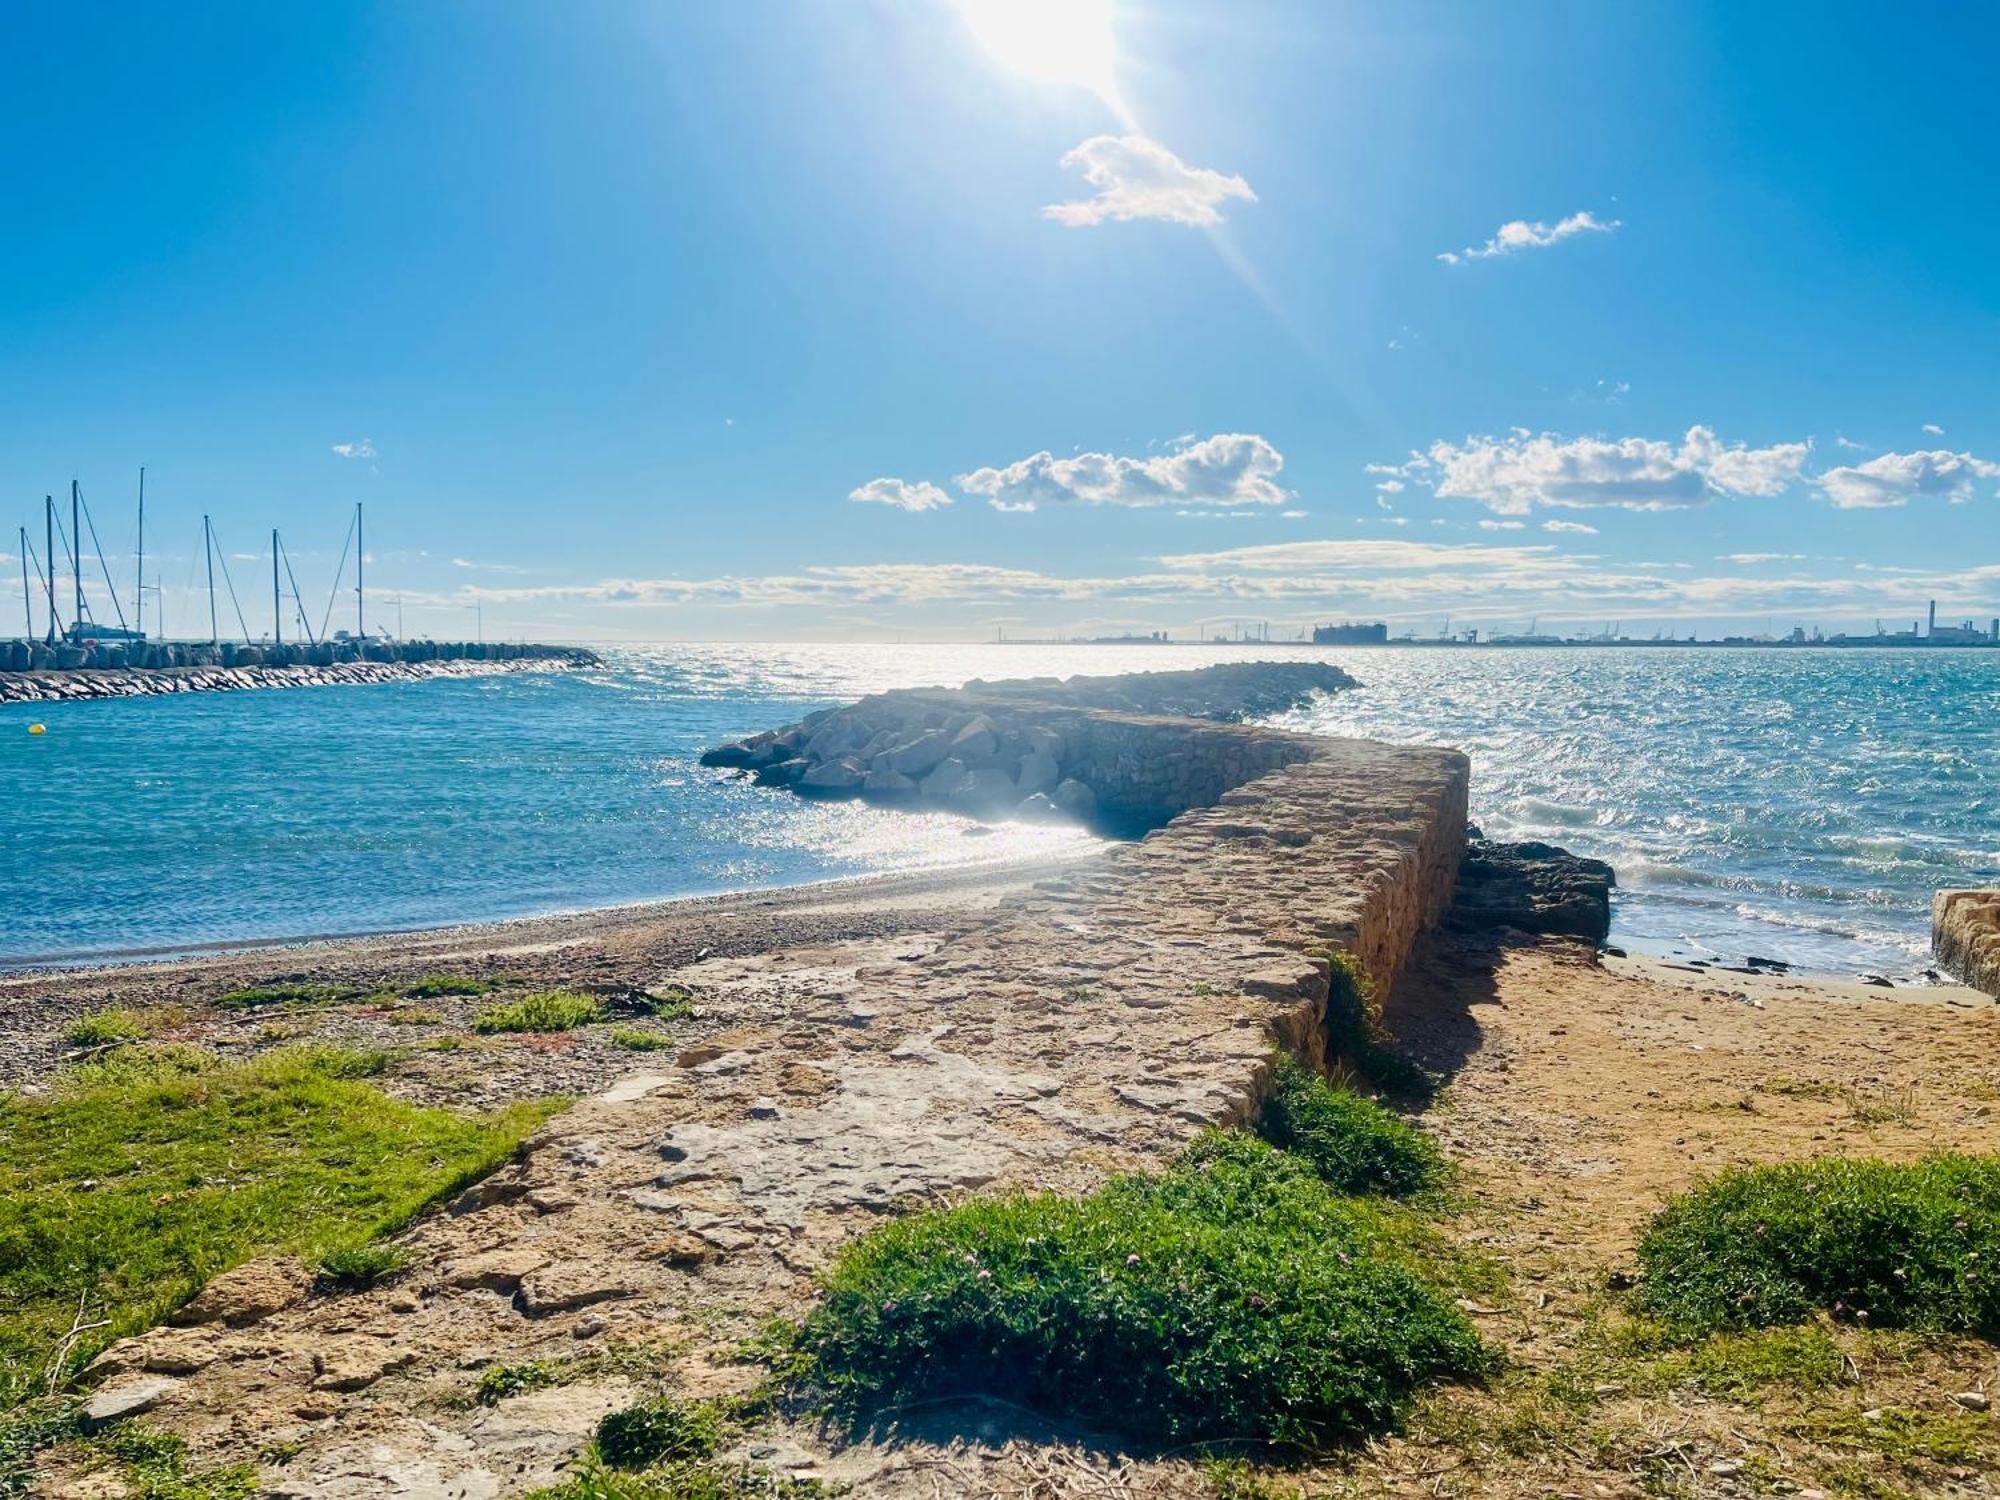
point(31, 672)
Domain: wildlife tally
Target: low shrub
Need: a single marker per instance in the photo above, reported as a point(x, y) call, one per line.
point(436, 986)
point(107, 1027)
point(1901, 1245)
point(544, 1010)
point(632, 1039)
point(498, 1382)
point(671, 1002)
point(414, 1015)
point(1354, 1144)
point(663, 1430)
point(258, 997)
point(1233, 1297)
point(703, 1480)
point(359, 1267)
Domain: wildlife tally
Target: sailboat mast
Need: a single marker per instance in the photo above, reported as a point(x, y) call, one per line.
point(139, 573)
point(360, 563)
point(277, 616)
point(76, 548)
point(49, 557)
point(27, 597)
point(208, 555)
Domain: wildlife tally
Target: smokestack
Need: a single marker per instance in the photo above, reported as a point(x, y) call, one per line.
point(1933, 629)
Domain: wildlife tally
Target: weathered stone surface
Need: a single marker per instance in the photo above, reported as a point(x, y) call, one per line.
point(564, 1287)
point(355, 1364)
point(251, 1292)
point(1965, 935)
point(496, 1270)
point(1533, 887)
point(126, 1397)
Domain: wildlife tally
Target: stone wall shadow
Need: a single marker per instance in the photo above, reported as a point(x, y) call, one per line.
point(1433, 1011)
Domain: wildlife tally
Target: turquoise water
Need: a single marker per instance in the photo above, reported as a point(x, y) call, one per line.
point(1795, 805)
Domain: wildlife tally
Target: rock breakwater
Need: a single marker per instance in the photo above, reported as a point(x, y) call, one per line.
point(1124, 752)
point(1965, 934)
point(34, 673)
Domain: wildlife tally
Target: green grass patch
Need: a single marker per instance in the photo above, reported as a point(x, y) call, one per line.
point(355, 1268)
point(107, 1028)
point(1913, 1245)
point(1904, 1435)
point(673, 1002)
point(146, 1172)
point(437, 986)
point(544, 1010)
point(632, 1039)
point(1354, 1029)
point(663, 1430)
point(414, 1015)
point(1354, 1144)
point(1234, 1297)
point(498, 1382)
point(262, 997)
point(154, 1466)
point(1742, 1366)
point(701, 1480)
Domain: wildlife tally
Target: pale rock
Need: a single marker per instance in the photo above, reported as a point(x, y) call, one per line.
point(1039, 773)
point(922, 754)
point(563, 1288)
point(251, 1292)
point(126, 1398)
point(496, 1270)
point(887, 782)
point(946, 781)
point(1076, 800)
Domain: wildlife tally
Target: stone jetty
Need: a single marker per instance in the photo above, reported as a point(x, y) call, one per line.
point(31, 672)
point(1089, 749)
point(1965, 934)
point(1088, 1024)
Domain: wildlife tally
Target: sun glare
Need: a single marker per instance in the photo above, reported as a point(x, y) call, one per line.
point(1056, 41)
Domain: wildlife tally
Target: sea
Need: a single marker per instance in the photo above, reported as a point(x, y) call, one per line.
point(1798, 805)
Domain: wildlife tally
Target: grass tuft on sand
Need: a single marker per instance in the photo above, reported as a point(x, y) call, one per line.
point(1898, 1245)
point(543, 1010)
point(146, 1172)
point(1354, 1144)
point(102, 1028)
point(1234, 1297)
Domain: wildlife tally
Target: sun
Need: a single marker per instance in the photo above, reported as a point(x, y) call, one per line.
point(1057, 41)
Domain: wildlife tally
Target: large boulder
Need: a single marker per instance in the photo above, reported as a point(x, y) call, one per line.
point(1038, 773)
point(945, 781)
point(888, 784)
point(921, 755)
point(986, 790)
point(976, 741)
point(782, 772)
point(832, 778)
point(1533, 887)
point(1075, 799)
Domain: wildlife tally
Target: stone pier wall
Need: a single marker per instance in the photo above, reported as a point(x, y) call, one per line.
point(84, 683)
point(1965, 934)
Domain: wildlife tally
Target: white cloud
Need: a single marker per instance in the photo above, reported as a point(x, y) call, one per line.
point(1519, 234)
point(1502, 525)
point(1137, 178)
point(361, 448)
point(1933, 429)
point(1899, 478)
point(1841, 440)
point(902, 494)
point(1230, 469)
point(486, 567)
point(1515, 473)
point(1761, 557)
point(1576, 527)
point(1391, 486)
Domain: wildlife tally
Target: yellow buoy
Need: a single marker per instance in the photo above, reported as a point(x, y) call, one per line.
point(38, 729)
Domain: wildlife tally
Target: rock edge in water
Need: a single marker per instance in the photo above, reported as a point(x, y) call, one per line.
point(1003, 749)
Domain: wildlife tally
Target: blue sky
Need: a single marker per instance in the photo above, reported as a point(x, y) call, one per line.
point(606, 312)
